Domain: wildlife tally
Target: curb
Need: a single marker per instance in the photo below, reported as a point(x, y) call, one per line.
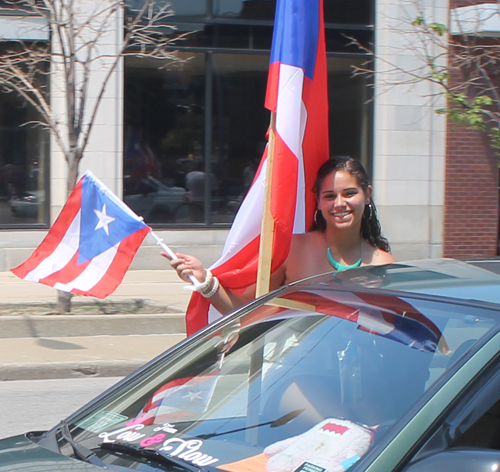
point(69, 370)
point(50, 326)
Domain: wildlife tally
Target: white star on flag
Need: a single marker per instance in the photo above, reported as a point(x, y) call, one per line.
point(193, 396)
point(104, 219)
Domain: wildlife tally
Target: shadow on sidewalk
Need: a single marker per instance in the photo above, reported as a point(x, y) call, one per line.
point(49, 343)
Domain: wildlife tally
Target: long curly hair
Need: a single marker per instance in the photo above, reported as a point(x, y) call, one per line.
point(370, 225)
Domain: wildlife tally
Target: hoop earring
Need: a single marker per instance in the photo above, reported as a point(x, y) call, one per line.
point(370, 206)
point(316, 217)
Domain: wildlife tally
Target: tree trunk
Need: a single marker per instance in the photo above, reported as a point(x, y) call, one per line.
point(73, 159)
point(63, 302)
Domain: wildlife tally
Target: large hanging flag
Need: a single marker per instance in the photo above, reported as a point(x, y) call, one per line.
point(91, 244)
point(297, 94)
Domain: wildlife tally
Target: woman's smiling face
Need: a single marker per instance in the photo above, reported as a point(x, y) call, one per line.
point(342, 201)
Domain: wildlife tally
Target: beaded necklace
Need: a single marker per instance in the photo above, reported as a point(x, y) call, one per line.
point(338, 266)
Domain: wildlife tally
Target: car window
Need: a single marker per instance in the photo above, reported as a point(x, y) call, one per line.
point(311, 380)
point(474, 420)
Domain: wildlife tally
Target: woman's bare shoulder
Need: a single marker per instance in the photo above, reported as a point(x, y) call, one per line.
point(306, 239)
point(380, 257)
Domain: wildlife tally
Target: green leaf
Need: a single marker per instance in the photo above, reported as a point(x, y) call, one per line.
point(438, 28)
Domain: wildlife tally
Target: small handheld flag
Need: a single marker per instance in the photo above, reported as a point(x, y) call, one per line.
point(91, 244)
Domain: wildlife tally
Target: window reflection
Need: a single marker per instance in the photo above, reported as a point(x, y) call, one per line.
point(244, 9)
point(194, 135)
point(240, 125)
point(191, 8)
point(164, 138)
point(356, 12)
point(169, 156)
point(23, 151)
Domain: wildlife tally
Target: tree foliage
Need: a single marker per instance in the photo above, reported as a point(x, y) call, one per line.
point(463, 63)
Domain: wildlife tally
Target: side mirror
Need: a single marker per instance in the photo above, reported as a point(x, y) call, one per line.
point(459, 459)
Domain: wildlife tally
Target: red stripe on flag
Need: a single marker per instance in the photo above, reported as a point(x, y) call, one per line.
point(116, 272)
point(196, 313)
point(67, 274)
point(272, 86)
point(283, 199)
point(55, 235)
point(241, 270)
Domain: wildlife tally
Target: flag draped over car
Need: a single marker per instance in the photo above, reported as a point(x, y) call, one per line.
point(91, 244)
point(297, 94)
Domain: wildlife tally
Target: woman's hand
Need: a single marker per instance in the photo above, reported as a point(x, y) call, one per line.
point(187, 265)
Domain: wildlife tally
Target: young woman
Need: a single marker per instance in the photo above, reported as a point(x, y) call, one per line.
point(346, 234)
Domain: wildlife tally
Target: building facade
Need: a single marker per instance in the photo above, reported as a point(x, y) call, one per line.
point(180, 141)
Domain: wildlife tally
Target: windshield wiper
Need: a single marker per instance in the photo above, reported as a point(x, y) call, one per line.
point(80, 451)
point(279, 422)
point(151, 454)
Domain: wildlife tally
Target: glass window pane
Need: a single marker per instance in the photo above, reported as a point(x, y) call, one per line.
point(240, 122)
point(193, 8)
point(182, 8)
point(336, 11)
point(342, 40)
point(23, 158)
point(355, 12)
point(349, 111)
point(244, 9)
point(164, 137)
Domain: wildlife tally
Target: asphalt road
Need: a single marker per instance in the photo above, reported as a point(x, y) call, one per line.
point(34, 405)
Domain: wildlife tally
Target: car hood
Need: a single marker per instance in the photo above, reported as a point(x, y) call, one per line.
point(19, 453)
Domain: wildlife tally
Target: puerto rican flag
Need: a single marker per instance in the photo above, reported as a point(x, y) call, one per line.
point(297, 93)
point(177, 399)
point(389, 317)
point(91, 244)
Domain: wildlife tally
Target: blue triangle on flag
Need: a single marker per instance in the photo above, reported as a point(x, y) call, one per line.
point(105, 220)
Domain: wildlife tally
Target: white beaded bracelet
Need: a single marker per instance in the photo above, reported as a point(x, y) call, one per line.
point(214, 289)
point(206, 284)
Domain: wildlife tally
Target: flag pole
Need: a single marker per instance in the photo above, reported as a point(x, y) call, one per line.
point(267, 228)
point(172, 255)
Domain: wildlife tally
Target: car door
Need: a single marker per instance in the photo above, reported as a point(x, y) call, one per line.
point(467, 437)
point(441, 423)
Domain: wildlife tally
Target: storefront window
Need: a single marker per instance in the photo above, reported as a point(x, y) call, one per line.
point(195, 133)
point(23, 163)
point(164, 137)
point(244, 9)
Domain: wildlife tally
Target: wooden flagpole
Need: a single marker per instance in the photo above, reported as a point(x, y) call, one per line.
point(267, 228)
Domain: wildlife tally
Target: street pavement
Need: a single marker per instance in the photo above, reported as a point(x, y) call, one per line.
point(51, 346)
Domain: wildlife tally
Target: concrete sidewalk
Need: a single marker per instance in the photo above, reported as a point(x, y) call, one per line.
point(63, 346)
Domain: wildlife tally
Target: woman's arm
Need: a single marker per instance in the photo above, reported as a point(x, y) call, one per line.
point(224, 300)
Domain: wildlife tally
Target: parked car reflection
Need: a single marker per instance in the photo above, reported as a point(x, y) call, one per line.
point(27, 204)
point(158, 203)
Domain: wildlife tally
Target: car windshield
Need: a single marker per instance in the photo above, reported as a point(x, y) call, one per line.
point(309, 381)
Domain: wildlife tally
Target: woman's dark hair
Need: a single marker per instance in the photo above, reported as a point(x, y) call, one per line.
point(370, 226)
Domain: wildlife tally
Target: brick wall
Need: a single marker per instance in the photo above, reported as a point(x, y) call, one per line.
point(471, 188)
point(471, 195)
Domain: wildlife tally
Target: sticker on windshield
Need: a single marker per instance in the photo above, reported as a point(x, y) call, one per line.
point(102, 420)
point(186, 449)
point(310, 467)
